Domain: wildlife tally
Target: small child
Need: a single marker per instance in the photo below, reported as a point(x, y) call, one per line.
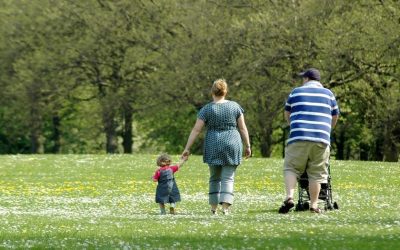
point(167, 190)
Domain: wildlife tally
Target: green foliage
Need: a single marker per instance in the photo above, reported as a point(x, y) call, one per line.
point(113, 76)
point(107, 202)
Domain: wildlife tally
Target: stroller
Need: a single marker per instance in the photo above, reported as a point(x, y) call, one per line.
point(325, 193)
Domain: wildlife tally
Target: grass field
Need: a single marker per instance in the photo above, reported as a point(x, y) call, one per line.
point(107, 202)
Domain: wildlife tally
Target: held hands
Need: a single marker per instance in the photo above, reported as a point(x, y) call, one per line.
point(184, 157)
point(185, 154)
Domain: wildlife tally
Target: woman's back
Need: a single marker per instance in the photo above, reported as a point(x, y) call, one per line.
point(221, 116)
point(223, 144)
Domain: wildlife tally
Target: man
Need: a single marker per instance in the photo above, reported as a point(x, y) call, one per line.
point(311, 111)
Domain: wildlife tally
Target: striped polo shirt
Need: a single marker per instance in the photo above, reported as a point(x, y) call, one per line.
point(311, 108)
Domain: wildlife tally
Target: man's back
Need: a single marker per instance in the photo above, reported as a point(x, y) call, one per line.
point(311, 109)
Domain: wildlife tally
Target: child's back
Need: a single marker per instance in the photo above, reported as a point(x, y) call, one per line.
point(167, 191)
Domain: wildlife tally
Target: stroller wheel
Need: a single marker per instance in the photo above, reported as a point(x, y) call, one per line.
point(335, 205)
point(302, 206)
point(328, 206)
point(299, 207)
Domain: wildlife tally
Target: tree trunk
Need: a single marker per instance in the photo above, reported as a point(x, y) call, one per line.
point(390, 150)
point(266, 142)
point(127, 135)
point(56, 137)
point(347, 151)
point(378, 151)
point(285, 134)
point(110, 129)
point(36, 140)
point(35, 120)
point(340, 144)
point(391, 153)
point(364, 152)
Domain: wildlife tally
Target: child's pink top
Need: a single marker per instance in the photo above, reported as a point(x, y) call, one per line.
point(156, 175)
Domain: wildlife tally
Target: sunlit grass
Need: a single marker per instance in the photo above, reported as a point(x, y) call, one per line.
point(107, 202)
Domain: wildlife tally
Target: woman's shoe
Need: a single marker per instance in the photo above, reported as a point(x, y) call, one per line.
point(214, 212)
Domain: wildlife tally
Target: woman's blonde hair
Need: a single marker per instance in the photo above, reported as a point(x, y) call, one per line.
point(219, 87)
point(163, 160)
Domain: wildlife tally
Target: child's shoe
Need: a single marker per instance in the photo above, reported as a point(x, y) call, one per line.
point(225, 211)
point(214, 212)
point(172, 210)
point(162, 211)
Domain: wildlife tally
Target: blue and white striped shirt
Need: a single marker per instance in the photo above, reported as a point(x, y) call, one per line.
point(311, 108)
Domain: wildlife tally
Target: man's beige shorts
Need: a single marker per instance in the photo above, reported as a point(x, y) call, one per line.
point(307, 156)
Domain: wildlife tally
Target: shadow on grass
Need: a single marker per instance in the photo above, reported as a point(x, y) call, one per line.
point(129, 240)
point(263, 211)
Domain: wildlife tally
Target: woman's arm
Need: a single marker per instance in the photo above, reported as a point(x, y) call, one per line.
point(245, 135)
point(198, 126)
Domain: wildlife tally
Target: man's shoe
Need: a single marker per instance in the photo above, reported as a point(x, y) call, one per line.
point(316, 210)
point(287, 205)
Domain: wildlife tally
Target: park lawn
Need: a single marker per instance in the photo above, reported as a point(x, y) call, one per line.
point(107, 202)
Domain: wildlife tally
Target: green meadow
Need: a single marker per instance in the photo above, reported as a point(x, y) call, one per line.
point(107, 202)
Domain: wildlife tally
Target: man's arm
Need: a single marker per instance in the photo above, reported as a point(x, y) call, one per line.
point(287, 117)
point(334, 120)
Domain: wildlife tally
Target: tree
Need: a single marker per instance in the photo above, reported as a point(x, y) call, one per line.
point(359, 51)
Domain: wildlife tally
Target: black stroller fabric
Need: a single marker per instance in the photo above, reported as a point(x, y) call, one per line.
point(325, 194)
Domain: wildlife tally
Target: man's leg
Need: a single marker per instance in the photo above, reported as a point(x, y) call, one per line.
point(290, 184)
point(314, 188)
point(296, 155)
point(317, 172)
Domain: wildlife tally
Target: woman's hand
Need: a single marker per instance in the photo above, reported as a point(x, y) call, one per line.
point(247, 152)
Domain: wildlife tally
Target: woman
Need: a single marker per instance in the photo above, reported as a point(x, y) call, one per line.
point(226, 128)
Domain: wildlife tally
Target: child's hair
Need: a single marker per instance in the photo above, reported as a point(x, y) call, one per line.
point(163, 160)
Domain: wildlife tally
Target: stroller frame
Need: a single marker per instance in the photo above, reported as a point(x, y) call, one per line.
point(325, 193)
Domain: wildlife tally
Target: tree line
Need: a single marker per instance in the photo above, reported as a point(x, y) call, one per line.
point(128, 76)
